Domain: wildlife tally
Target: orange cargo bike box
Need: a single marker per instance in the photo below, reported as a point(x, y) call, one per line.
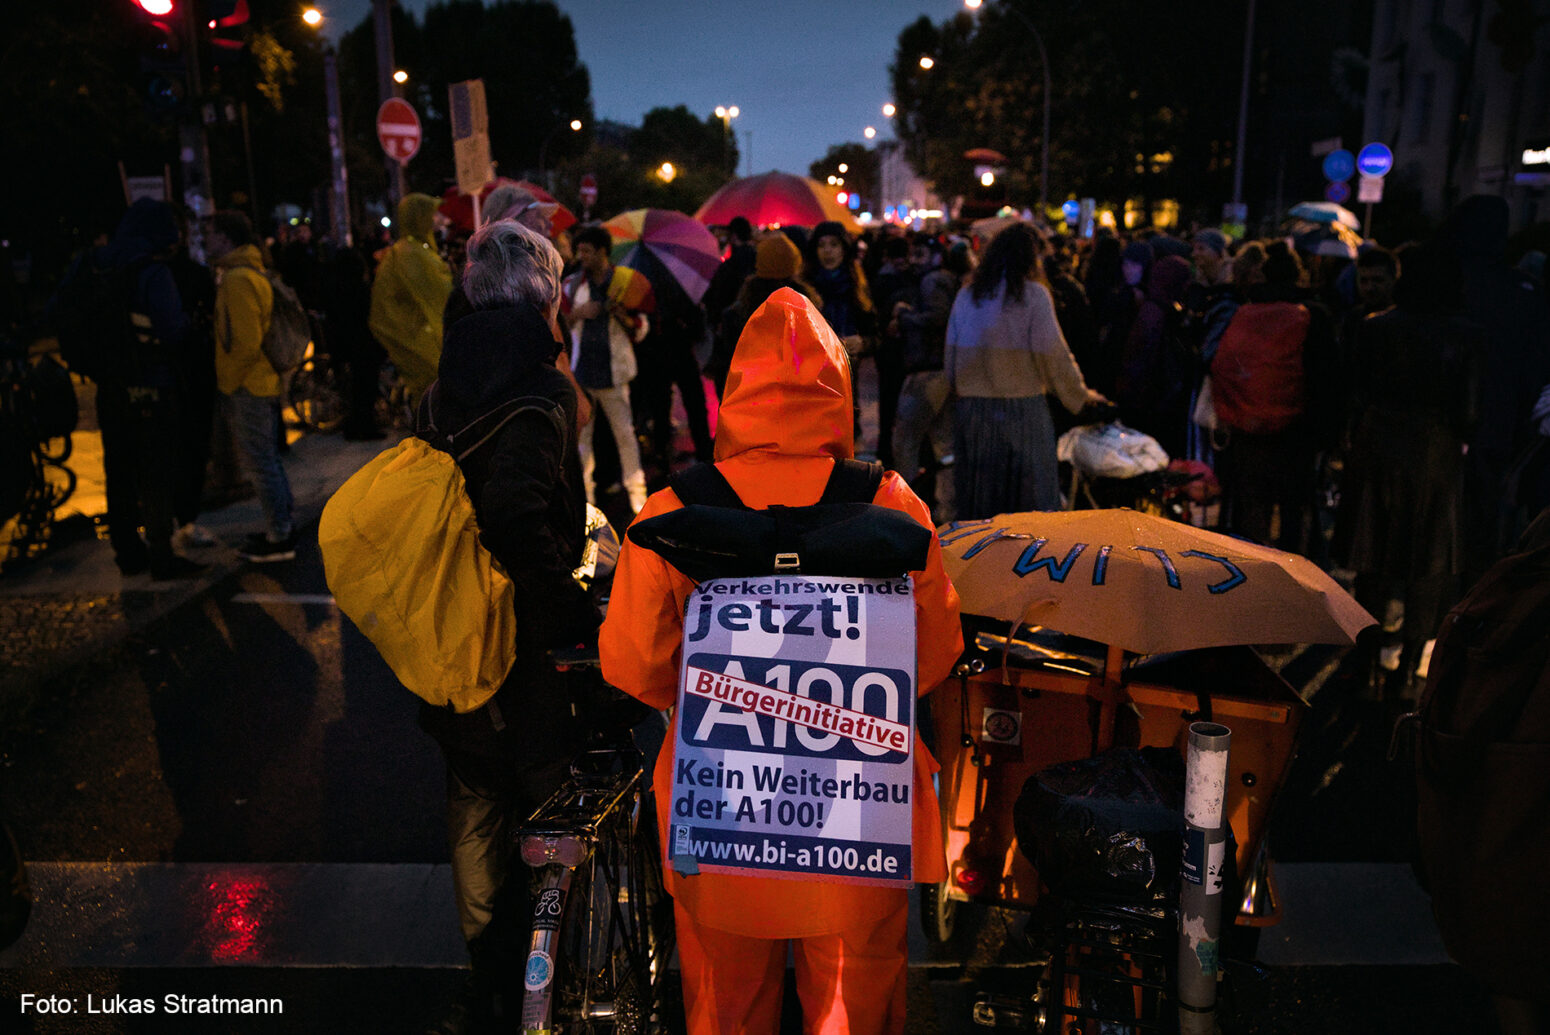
point(1017, 706)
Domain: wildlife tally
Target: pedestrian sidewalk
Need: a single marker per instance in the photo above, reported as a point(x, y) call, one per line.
point(59, 610)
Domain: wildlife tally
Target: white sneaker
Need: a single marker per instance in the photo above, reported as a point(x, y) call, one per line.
point(191, 535)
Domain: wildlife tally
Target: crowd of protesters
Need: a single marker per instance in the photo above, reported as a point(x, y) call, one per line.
point(1373, 408)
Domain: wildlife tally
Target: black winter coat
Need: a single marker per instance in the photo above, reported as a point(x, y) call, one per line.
point(525, 485)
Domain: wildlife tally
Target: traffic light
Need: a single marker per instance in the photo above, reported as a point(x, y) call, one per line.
point(162, 68)
point(226, 21)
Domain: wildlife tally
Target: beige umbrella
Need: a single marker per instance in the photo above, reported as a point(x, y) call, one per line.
point(1143, 583)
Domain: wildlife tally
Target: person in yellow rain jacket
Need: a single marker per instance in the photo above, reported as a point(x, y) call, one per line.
point(409, 294)
point(249, 386)
point(785, 420)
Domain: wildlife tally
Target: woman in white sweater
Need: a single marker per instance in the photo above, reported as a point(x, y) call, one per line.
point(1004, 353)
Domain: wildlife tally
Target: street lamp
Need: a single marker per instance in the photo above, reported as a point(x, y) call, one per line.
point(400, 77)
point(339, 185)
point(666, 172)
point(726, 115)
point(927, 62)
point(1038, 39)
point(869, 132)
point(888, 110)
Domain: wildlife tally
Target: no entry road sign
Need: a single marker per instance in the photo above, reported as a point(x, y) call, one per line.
point(398, 129)
point(1374, 160)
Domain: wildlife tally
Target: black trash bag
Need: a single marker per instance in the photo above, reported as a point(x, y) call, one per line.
point(1107, 828)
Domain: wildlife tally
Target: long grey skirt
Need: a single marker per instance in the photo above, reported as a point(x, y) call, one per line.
point(1005, 456)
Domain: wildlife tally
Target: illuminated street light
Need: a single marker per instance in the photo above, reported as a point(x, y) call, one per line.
point(339, 182)
point(575, 124)
point(831, 180)
point(973, 5)
point(869, 132)
point(844, 168)
point(667, 172)
point(987, 178)
point(400, 77)
point(926, 62)
point(726, 114)
point(155, 7)
point(888, 110)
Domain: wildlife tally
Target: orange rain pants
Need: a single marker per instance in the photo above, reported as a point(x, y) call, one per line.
point(850, 982)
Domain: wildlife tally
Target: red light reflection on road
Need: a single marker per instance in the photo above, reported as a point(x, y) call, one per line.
point(237, 911)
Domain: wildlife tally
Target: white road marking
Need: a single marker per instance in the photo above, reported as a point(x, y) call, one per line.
point(325, 599)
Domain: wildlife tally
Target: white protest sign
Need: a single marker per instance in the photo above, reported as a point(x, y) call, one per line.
point(796, 730)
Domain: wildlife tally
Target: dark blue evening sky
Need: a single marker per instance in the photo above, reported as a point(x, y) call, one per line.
point(804, 73)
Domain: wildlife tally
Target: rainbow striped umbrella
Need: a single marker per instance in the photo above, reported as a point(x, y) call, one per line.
point(776, 199)
point(678, 243)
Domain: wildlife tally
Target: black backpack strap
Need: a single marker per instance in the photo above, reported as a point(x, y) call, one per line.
point(704, 484)
point(482, 429)
point(853, 481)
point(464, 442)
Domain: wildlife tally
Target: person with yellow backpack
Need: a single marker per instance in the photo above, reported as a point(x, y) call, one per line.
point(453, 552)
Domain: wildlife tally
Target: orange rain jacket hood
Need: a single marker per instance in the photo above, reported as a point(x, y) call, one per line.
point(786, 417)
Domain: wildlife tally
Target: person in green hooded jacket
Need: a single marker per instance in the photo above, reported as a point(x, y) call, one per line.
point(409, 294)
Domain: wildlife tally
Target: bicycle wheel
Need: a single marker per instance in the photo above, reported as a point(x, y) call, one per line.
point(604, 962)
point(601, 966)
point(315, 400)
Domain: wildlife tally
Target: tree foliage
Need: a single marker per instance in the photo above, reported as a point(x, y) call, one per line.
point(626, 162)
point(1128, 82)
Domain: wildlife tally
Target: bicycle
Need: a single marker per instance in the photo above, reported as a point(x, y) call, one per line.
point(602, 925)
point(36, 481)
point(313, 396)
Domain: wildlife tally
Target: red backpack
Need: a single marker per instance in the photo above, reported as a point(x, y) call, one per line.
point(1257, 381)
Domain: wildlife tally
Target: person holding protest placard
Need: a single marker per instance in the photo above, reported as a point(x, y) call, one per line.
point(785, 427)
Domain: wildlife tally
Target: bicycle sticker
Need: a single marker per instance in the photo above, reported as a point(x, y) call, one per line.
point(546, 911)
point(540, 968)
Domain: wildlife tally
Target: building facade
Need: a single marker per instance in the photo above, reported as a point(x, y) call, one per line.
point(1460, 91)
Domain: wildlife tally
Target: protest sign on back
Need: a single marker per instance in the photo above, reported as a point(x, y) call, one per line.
point(796, 730)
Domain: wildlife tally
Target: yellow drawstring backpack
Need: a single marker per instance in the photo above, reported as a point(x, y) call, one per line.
point(402, 557)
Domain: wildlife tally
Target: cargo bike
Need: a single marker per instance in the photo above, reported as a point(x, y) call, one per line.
point(1096, 642)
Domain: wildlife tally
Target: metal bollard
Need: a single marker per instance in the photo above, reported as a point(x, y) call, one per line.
point(1200, 891)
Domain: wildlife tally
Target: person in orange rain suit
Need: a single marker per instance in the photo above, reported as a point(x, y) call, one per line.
point(785, 419)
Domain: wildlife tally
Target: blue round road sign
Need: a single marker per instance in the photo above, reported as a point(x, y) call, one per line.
point(1337, 192)
point(1375, 160)
point(1072, 210)
point(1339, 165)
